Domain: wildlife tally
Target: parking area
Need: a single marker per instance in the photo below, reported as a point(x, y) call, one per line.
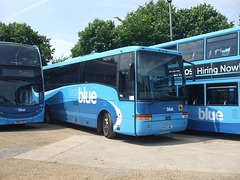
point(63, 151)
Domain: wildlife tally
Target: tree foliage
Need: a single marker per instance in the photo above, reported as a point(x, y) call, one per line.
point(239, 20)
point(22, 33)
point(98, 36)
point(149, 25)
point(199, 20)
point(59, 59)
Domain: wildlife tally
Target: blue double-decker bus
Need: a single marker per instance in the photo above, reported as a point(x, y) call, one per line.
point(135, 91)
point(214, 97)
point(21, 84)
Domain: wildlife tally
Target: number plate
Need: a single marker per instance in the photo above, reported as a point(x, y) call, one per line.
point(167, 127)
point(20, 122)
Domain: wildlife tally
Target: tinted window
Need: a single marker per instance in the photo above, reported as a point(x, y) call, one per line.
point(222, 46)
point(19, 72)
point(47, 79)
point(159, 76)
point(50, 81)
point(58, 78)
point(70, 74)
point(196, 94)
point(102, 71)
point(61, 76)
point(21, 93)
point(192, 50)
point(20, 86)
point(125, 70)
point(222, 94)
point(18, 54)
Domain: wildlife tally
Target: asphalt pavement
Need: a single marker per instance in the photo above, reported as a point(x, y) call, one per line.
point(181, 152)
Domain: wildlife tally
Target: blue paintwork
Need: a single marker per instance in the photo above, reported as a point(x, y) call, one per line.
point(194, 38)
point(22, 115)
point(215, 118)
point(159, 111)
point(65, 104)
point(105, 54)
point(230, 123)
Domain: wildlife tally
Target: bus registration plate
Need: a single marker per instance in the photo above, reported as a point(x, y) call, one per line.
point(166, 127)
point(20, 122)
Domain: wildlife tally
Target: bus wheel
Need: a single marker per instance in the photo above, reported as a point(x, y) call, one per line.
point(47, 115)
point(108, 126)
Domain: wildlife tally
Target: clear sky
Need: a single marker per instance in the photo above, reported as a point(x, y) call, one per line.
point(61, 20)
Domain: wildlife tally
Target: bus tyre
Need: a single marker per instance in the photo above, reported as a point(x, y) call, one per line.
point(47, 115)
point(108, 126)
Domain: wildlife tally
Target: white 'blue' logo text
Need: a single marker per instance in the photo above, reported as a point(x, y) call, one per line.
point(87, 97)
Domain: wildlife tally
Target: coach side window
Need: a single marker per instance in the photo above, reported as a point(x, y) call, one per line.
point(196, 95)
point(58, 77)
point(70, 74)
point(109, 68)
point(100, 71)
point(224, 94)
point(126, 76)
point(47, 80)
point(222, 46)
point(53, 78)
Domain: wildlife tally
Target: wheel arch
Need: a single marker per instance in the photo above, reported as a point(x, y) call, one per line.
point(47, 112)
point(99, 120)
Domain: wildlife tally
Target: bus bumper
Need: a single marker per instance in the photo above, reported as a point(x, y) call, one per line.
point(35, 119)
point(160, 127)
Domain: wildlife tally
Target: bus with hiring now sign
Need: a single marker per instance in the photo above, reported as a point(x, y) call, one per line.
point(213, 98)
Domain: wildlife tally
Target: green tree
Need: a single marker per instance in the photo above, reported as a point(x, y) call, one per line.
point(59, 59)
point(199, 20)
point(97, 37)
point(22, 33)
point(149, 25)
point(239, 20)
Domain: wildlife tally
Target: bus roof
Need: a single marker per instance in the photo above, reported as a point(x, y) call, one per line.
point(17, 44)
point(194, 38)
point(107, 53)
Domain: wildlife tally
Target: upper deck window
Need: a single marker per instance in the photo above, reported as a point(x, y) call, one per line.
point(18, 54)
point(222, 46)
point(192, 50)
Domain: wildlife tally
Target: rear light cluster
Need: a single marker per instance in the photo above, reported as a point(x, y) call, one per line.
point(148, 117)
point(185, 115)
point(143, 117)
